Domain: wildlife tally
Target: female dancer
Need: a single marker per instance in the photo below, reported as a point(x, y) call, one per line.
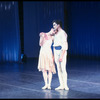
point(46, 59)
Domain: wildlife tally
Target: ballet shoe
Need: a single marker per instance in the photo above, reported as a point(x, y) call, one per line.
point(45, 87)
point(49, 87)
point(66, 88)
point(59, 88)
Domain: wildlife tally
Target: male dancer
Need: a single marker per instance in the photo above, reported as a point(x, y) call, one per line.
point(60, 54)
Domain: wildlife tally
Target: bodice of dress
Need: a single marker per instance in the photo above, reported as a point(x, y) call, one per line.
point(47, 43)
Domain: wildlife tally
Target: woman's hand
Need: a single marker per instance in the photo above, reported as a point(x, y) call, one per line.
point(41, 34)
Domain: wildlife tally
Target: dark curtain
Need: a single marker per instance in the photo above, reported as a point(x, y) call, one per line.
point(9, 32)
point(38, 17)
point(84, 33)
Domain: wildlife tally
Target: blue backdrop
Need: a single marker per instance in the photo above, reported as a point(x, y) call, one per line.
point(83, 27)
point(83, 21)
point(9, 32)
point(38, 17)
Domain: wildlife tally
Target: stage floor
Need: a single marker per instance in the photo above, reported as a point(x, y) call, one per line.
point(19, 80)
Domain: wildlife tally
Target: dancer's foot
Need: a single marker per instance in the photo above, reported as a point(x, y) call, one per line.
point(49, 87)
point(66, 88)
point(45, 87)
point(59, 88)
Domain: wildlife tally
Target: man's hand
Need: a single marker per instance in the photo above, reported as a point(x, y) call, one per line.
point(60, 59)
point(61, 56)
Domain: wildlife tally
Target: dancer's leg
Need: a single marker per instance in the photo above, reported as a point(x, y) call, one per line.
point(64, 72)
point(57, 55)
point(45, 78)
point(50, 79)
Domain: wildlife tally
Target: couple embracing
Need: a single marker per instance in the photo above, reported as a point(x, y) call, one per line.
point(46, 58)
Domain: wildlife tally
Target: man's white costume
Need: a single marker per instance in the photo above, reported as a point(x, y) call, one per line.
point(60, 43)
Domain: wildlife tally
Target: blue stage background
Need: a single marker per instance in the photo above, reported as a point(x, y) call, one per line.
point(82, 26)
point(9, 32)
point(38, 17)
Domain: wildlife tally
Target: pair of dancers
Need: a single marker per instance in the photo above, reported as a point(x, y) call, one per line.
point(46, 58)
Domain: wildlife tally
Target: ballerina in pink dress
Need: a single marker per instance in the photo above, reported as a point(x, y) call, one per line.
point(46, 59)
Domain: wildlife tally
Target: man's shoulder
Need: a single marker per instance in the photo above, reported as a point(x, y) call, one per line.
point(63, 32)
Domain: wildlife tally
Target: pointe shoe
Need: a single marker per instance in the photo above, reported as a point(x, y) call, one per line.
point(66, 88)
point(49, 87)
point(59, 88)
point(45, 87)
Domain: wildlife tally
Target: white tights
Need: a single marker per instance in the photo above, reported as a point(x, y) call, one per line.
point(47, 76)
